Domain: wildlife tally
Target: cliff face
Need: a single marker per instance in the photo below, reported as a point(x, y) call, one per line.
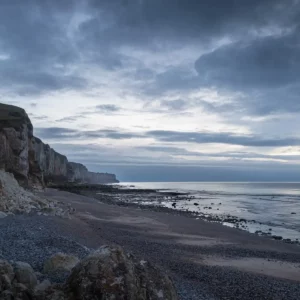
point(15, 133)
point(95, 178)
point(79, 173)
point(52, 165)
point(31, 161)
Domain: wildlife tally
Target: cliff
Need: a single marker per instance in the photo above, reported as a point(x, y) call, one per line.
point(32, 162)
point(79, 173)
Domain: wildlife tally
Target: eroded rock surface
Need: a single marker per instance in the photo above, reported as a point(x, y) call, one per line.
point(15, 133)
point(60, 262)
point(15, 199)
point(107, 274)
point(110, 273)
point(79, 173)
point(25, 275)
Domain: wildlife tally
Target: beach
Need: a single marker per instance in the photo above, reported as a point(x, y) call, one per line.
point(205, 259)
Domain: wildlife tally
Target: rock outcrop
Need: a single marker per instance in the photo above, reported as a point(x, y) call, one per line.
point(79, 173)
point(110, 273)
point(52, 165)
point(32, 162)
point(15, 133)
point(60, 262)
point(106, 274)
point(94, 178)
point(15, 199)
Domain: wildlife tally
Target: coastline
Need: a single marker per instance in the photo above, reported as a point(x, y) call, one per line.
point(205, 259)
point(168, 201)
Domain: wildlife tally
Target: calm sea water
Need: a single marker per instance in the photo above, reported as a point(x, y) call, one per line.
point(273, 206)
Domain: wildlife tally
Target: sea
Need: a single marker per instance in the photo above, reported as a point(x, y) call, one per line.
point(268, 207)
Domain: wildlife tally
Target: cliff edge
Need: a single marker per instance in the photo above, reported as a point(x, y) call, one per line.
point(32, 162)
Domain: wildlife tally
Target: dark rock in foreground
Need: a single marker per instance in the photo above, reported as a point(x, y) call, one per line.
point(106, 274)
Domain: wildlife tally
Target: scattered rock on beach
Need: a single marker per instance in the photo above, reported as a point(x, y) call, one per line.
point(276, 237)
point(25, 275)
point(6, 269)
point(14, 199)
point(42, 287)
point(60, 262)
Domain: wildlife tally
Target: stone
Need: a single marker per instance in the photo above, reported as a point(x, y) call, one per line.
point(15, 198)
point(110, 274)
point(6, 269)
point(5, 282)
point(60, 262)
point(21, 292)
point(42, 287)
point(7, 295)
point(25, 275)
point(52, 293)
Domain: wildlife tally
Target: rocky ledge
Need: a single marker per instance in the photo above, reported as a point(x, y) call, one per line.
point(14, 199)
point(106, 274)
point(32, 162)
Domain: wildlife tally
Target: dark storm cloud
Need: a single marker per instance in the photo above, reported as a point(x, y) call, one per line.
point(41, 50)
point(187, 19)
point(262, 63)
point(267, 70)
point(33, 36)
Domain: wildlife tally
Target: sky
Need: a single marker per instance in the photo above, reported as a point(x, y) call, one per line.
point(167, 90)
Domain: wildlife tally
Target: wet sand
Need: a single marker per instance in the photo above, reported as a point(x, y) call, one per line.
point(206, 260)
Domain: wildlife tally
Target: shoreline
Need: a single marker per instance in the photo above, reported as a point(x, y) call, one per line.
point(205, 259)
point(111, 194)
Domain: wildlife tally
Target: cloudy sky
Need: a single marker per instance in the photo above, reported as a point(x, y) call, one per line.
point(159, 89)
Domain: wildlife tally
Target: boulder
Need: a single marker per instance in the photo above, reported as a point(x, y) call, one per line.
point(6, 269)
point(25, 275)
point(107, 274)
point(21, 292)
point(60, 262)
point(42, 287)
point(52, 293)
point(5, 283)
point(110, 274)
